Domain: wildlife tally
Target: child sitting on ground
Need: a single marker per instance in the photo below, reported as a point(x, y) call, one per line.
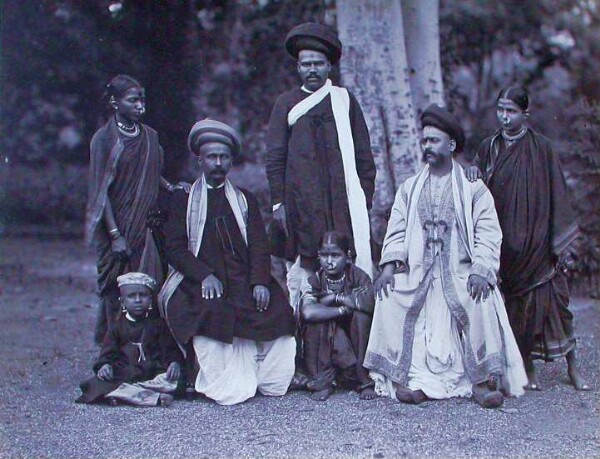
point(135, 353)
point(336, 311)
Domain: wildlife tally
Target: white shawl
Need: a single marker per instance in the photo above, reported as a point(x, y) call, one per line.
point(357, 203)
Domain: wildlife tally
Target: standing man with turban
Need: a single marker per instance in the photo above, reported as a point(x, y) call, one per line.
point(319, 162)
point(440, 328)
point(220, 295)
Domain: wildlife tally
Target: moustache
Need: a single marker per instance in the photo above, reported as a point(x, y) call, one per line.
point(426, 152)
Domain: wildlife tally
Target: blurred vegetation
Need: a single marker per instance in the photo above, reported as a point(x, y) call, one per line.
point(225, 60)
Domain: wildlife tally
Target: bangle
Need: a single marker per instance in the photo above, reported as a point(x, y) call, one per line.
point(114, 234)
point(342, 310)
point(170, 187)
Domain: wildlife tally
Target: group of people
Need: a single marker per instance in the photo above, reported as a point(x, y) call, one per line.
point(470, 287)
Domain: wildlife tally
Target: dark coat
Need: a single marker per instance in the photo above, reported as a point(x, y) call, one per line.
point(305, 172)
point(238, 266)
point(159, 348)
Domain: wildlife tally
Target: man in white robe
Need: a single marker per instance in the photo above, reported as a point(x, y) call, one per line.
point(440, 328)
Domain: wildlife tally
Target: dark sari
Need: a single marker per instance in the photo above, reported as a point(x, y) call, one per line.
point(126, 171)
point(537, 223)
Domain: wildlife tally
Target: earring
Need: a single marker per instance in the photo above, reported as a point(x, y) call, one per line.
point(113, 103)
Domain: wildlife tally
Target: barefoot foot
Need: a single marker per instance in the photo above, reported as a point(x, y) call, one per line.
point(368, 394)
point(577, 380)
point(322, 395)
point(413, 397)
point(486, 397)
point(533, 383)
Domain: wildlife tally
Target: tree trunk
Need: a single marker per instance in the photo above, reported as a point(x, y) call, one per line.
point(374, 68)
point(422, 38)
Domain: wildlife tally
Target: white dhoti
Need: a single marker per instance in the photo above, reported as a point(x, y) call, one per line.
point(144, 393)
point(437, 362)
point(232, 373)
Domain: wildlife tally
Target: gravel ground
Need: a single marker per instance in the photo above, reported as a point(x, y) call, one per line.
point(47, 308)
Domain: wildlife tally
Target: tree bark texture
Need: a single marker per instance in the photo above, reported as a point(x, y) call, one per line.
point(374, 67)
point(422, 38)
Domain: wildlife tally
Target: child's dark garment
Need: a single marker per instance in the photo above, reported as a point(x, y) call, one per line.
point(138, 351)
point(335, 349)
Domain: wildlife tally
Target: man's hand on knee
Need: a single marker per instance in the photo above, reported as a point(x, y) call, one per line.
point(211, 287)
point(385, 280)
point(478, 287)
point(262, 297)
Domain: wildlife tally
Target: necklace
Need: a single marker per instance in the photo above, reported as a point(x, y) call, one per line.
point(129, 131)
point(336, 281)
point(512, 138)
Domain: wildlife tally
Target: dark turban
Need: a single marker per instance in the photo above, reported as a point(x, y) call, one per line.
point(316, 37)
point(207, 130)
point(440, 118)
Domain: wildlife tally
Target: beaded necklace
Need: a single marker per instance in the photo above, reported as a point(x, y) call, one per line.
point(129, 131)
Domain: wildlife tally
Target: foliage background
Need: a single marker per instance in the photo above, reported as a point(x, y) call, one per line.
point(225, 60)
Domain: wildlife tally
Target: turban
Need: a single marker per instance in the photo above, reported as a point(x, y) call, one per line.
point(136, 279)
point(316, 37)
point(440, 118)
point(213, 131)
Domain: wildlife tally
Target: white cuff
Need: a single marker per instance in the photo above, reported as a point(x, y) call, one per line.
point(277, 206)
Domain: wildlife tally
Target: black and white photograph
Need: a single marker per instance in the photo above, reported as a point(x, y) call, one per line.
point(299, 229)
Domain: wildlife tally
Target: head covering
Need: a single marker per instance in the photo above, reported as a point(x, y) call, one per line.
point(136, 279)
point(213, 131)
point(316, 37)
point(441, 118)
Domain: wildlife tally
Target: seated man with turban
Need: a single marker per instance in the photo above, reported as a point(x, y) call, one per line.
point(220, 296)
point(440, 328)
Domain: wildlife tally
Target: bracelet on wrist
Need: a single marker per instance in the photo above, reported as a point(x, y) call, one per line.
point(342, 310)
point(114, 234)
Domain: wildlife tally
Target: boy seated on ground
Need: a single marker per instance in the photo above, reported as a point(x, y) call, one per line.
point(336, 312)
point(139, 363)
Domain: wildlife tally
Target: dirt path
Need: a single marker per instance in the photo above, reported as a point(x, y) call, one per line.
point(47, 308)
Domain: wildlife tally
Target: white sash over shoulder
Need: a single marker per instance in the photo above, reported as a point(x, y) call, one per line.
point(197, 206)
point(357, 203)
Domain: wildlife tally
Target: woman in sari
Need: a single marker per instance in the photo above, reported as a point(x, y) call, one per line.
point(126, 160)
point(538, 225)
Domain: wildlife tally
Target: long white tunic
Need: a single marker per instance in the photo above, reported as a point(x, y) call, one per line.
point(429, 333)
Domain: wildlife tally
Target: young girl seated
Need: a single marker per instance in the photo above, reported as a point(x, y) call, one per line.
point(139, 363)
point(336, 312)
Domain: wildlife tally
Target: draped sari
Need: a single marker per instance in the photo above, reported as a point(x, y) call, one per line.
point(530, 193)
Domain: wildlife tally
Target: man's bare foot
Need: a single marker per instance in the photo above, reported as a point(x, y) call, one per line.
point(486, 397)
point(533, 383)
point(413, 397)
point(404, 395)
point(322, 395)
point(368, 394)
